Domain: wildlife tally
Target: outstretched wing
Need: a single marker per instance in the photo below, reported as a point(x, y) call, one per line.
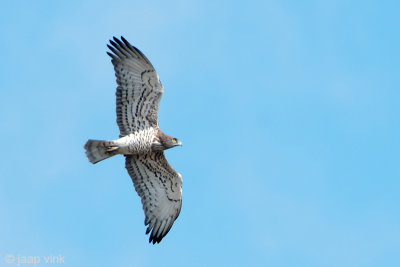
point(160, 188)
point(139, 89)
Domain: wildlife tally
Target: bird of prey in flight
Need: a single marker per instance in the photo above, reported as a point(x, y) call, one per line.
point(141, 141)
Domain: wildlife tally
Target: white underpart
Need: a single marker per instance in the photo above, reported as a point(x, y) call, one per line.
point(137, 142)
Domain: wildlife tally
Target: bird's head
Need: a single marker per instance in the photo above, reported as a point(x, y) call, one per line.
point(166, 142)
point(171, 142)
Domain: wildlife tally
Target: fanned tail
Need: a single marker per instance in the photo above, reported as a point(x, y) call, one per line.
point(98, 150)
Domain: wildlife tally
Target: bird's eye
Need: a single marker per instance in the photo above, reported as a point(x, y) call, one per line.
point(174, 140)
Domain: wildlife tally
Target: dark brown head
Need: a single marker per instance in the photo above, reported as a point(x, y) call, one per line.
point(163, 142)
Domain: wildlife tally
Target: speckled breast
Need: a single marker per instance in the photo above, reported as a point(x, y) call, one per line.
point(138, 142)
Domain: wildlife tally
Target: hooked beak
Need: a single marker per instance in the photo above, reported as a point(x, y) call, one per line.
point(179, 143)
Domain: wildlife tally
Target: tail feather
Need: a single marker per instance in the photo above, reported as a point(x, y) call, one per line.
point(98, 150)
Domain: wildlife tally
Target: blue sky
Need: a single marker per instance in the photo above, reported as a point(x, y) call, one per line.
point(288, 112)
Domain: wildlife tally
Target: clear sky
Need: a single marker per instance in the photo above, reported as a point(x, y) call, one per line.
point(288, 112)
